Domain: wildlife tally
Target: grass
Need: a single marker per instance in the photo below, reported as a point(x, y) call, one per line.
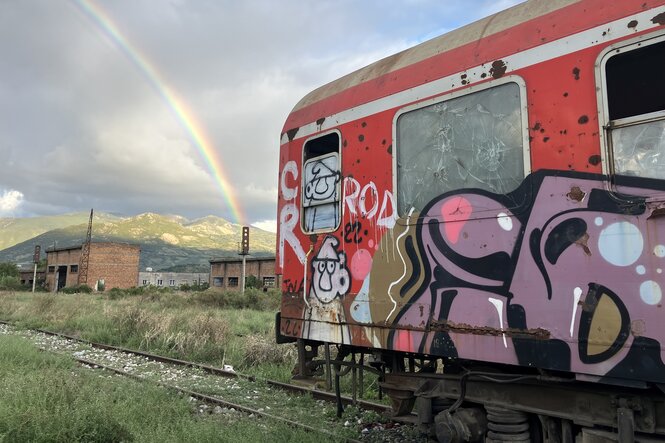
point(211, 327)
point(208, 327)
point(46, 398)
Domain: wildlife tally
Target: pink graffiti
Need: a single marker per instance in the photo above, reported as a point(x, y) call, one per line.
point(455, 212)
point(361, 264)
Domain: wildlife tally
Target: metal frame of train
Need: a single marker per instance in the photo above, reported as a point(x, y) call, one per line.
point(481, 220)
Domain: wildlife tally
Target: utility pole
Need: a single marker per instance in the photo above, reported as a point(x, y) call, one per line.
point(85, 255)
point(244, 251)
point(35, 258)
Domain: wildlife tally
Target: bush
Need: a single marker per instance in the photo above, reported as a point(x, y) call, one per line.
point(9, 270)
point(77, 289)
point(116, 293)
point(253, 281)
point(10, 283)
point(251, 299)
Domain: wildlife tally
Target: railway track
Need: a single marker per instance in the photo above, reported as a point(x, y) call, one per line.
point(142, 366)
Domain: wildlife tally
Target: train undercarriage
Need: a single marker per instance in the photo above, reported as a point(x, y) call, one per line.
point(462, 401)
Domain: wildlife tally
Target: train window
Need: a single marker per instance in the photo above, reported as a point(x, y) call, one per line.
point(321, 184)
point(636, 108)
point(472, 141)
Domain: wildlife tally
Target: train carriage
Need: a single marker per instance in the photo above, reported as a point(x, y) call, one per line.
point(491, 203)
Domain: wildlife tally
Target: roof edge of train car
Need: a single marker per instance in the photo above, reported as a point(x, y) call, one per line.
point(475, 31)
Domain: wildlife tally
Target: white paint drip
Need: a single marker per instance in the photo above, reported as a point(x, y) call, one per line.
point(304, 278)
point(390, 288)
point(498, 304)
point(577, 294)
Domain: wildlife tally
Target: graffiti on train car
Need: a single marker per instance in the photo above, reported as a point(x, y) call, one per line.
point(330, 281)
point(466, 276)
point(472, 266)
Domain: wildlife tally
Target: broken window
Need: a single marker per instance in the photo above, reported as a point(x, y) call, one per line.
point(636, 106)
point(321, 184)
point(472, 141)
point(74, 269)
point(233, 281)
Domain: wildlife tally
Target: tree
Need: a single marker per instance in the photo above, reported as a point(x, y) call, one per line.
point(252, 281)
point(9, 270)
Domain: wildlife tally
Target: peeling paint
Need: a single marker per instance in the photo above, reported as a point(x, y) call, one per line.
point(498, 69)
point(576, 194)
point(659, 19)
point(291, 133)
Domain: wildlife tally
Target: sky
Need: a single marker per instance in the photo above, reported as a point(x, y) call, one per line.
point(176, 106)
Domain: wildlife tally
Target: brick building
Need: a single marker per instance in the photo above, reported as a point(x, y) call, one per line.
point(26, 276)
point(225, 273)
point(113, 265)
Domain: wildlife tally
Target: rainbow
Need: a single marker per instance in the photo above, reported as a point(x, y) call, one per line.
point(183, 114)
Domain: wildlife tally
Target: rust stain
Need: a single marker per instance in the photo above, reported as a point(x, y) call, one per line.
point(463, 328)
point(576, 73)
point(656, 213)
point(291, 133)
point(583, 242)
point(659, 19)
point(594, 159)
point(633, 24)
point(498, 69)
point(320, 121)
point(537, 126)
point(363, 124)
point(390, 149)
point(576, 194)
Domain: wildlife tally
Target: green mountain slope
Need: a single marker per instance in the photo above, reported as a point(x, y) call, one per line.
point(166, 241)
point(17, 230)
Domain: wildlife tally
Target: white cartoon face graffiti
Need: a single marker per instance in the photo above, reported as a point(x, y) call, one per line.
point(330, 277)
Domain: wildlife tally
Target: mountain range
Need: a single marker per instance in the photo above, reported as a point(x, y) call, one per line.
point(168, 242)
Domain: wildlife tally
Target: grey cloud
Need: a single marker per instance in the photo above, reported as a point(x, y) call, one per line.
point(82, 126)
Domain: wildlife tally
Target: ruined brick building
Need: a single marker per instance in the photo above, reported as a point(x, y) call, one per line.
point(111, 265)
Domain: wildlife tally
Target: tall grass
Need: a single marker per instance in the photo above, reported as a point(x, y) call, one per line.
point(210, 327)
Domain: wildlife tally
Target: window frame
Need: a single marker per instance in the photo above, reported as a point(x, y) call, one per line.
point(442, 98)
point(340, 184)
point(606, 125)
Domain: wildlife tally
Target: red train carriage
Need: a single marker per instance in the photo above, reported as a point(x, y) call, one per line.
point(490, 206)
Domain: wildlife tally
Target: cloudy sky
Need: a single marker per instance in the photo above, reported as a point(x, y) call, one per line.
point(99, 99)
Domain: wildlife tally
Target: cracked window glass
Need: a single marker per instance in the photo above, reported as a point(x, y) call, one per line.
point(321, 189)
point(636, 105)
point(473, 141)
point(639, 150)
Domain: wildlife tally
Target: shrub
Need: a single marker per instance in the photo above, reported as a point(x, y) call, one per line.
point(115, 293)
point(9, 270)
point(253, 281)
point(10, 283)
point(76, 289)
